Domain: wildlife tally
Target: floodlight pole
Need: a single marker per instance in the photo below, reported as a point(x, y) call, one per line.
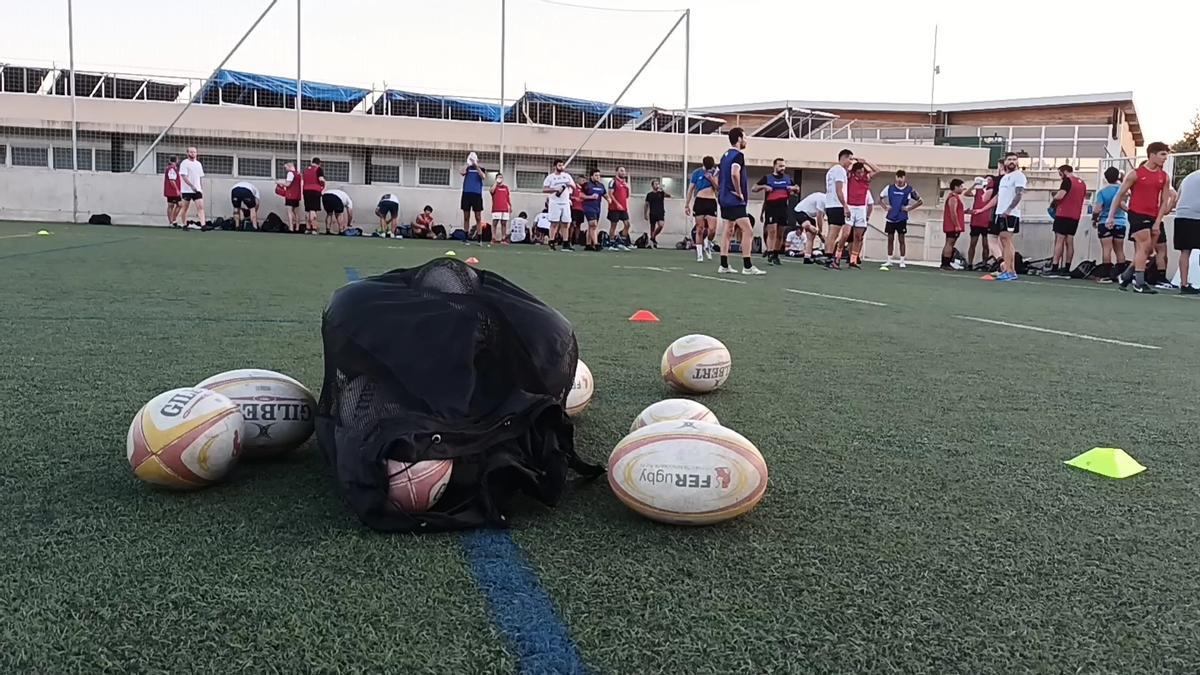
point(503, 28)
point(626, 89)
point(201, 93)
point(299, 91)
point(74, 118)
point(687, 82)
point(933, 73)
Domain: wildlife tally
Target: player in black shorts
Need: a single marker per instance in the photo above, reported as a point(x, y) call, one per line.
point(702, 205)
point(656, 211)
point(778, 187)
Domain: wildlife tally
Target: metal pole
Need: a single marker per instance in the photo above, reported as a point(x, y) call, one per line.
point(299, 88)
point(636, 75)
point(74, 118)
point(210, 78)
point(687, 82)
point(933, 72)
point(503, 27)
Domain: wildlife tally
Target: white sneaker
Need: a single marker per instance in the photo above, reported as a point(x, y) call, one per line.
point(708, 253)
point(753, 271)
point(724, 270)
point(903, 264)
point(699, 258)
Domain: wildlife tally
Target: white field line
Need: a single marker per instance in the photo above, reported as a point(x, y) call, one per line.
point(1055, 332)
point(648, 269)
point(18, 236)
point(727, 281)
point(837, 297)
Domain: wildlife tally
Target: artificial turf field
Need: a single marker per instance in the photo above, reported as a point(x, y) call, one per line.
point(919, 517)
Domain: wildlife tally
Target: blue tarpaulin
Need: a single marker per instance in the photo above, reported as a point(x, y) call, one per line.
point(442, 106)
point(619, 114)
point(312, 91)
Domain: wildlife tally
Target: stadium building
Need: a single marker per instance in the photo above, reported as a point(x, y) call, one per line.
point(413, 144)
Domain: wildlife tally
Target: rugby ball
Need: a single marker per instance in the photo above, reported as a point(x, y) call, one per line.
point(185, 439)
point(415, 487)
point(279, 412)
point(673, 409)
point(696, 364)
point(581, 390)
point(687, 472)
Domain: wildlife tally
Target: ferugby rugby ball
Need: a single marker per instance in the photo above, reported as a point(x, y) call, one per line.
point(581, 391)
point(696, 364)
point(184, 439)
point(279, 412)
point(687, 473)
point(416, 486)
point(673, 409)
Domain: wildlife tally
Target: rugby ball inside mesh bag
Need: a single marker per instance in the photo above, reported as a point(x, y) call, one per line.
point(485, 411)
point(687, 473)
point(696, 364)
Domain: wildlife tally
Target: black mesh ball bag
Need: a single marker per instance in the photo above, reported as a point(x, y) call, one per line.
point(444, 361)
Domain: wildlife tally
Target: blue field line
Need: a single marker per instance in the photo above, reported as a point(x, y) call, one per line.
point(23, 254)
point(520, 607)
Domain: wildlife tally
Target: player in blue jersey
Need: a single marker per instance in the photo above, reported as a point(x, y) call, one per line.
point(898, 198)
point(1112, 239)
point(733, 187)
point(778, 187)
point(702, 206)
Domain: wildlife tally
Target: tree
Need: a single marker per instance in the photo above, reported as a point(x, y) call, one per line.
point(1191, 140)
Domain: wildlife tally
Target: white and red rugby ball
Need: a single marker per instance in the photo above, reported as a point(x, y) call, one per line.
point(185, 439)
point(279, 412)
point(671, 409)
point(696, 364)
point(415, 487)
point(581, 391)
point(687, 472)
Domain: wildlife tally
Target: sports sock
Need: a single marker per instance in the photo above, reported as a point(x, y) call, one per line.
point(699, 249)
point(747, 263)
point(724, 261)
point(1139, 278)
point(1127, 274)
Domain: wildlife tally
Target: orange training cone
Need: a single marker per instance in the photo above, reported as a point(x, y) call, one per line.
point(472, 260)
point(644, 316)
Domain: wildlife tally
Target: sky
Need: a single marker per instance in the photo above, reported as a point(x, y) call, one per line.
point(742, 50)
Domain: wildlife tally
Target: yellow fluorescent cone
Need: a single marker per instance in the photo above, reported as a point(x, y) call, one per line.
point(1111, 462)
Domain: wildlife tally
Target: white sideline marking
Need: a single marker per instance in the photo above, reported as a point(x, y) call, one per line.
point(18, 236)
point(1056, 332)
point(836, 297)
point(728, 281)
point(649, 269)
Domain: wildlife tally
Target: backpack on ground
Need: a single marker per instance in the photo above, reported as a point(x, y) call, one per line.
point(273, 223)
point(1084, 269)
point(642, 241)
point(100, 219)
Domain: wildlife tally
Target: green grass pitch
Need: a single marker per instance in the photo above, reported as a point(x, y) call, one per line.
point(919, 517)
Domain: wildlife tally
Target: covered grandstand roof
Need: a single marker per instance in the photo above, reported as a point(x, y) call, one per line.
point(561, 111)
point(21, 79)
point(268, 91)
point(672, 121)
point(793, 123)
point(111, 85)
point(411, 104)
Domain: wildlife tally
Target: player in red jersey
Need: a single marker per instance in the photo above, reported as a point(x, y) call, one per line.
point(1149, 200)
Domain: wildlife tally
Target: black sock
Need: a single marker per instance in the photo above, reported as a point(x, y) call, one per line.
point(724, 261)
point(747, 263)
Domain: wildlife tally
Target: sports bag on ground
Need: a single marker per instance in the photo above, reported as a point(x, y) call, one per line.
point(447, 362)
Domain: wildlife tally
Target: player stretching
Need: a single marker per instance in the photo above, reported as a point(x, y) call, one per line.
point(1149, 201)
point(836, 210)
point(810, 215)
point(733, 184)
point(702, 204)
point(858, 198)
point(778, 186)
point(558, 185)
point(899, 198)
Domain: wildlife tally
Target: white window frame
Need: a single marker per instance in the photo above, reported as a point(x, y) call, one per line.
point(237, 166)
point(435, 165)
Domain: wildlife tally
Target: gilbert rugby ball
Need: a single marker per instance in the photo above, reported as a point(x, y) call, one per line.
point(673, 409)
point(279, 412)
point(696, 364)
point(184, 439)
point(687, 473)
point(581, 390)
